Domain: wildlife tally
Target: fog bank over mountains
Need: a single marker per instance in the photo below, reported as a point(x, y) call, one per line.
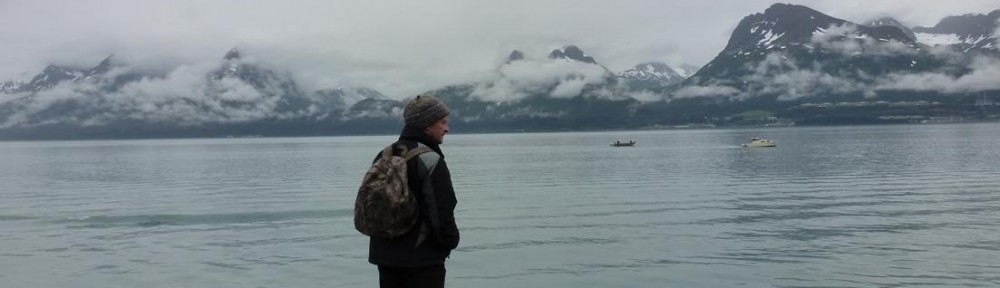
point(780, 62)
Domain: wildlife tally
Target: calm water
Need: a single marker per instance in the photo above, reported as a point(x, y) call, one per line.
point(872, 206)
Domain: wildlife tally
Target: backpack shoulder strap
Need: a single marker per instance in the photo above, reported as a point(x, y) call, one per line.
point(421, 149)
point(429, 161)
point(406, 154)
point(386, 152)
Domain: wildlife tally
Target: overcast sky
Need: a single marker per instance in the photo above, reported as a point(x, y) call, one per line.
point(397, 47)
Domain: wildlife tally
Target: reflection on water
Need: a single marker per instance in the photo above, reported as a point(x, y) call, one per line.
point(873, 206)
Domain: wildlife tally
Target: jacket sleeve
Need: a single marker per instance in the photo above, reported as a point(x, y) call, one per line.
point(445, 229)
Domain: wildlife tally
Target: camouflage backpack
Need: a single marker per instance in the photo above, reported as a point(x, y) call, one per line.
point(385, 206)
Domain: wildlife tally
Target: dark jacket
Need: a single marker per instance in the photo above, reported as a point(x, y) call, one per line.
point(437, 214)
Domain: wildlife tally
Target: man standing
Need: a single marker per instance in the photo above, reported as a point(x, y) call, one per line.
point(416, 259)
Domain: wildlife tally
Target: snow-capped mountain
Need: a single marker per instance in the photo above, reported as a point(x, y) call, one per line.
point(567, 88)
point(784, 25)
point(686, 70)
point(101, 69)
point(51, 76)
point(573, 53)
point(348, 96)
point(54, 75)
point(891, 22)
point(264, 80)
point(788, 37)
point(10, 86)
point(775, 62)
point(970, 32)
point(651, 75)
point(386, 109)
point(791, 55)
point(341, 99)
point(514, 56)
point(240, 97)
point(259, 77)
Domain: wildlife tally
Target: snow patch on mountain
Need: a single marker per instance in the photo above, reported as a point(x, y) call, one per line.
point(769, 38)
point(892, 22)
point(686, 70)
point(10, 87)
point(849, 40)
point(933, 39)
point(651, 75)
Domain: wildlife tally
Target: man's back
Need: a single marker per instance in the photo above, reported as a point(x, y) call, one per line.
point(431, 240)
point(416, 259)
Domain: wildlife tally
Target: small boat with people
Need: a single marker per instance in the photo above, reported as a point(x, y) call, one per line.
point(760, 142)
point(619, 143)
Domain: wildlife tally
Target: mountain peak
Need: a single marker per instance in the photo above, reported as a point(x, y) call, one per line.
point(783, 25)
point(655, 66)
point(102, 67)
point(232, 54)
point(231, 65)
point(651, 75)
point(891, 22)
point(969, 32)
point(780, 24)
point(573, 53)
point(973, 25)
point(778, 9)
point(883, 21)
point(514, 56)
point(52, 75)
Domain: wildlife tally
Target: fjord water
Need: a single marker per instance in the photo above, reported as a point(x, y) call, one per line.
point(868, 206)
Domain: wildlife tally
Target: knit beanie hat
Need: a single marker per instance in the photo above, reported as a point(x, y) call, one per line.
point(423, 111)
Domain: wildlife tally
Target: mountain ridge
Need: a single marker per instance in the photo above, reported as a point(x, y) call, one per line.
point(788, 62)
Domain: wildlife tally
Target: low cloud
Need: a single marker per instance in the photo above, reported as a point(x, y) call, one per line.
point(186, 97)
point(808, 83)
point(645, 96)
point(777, 75)
point(782, 75)
point(568, 89)
point(847, 40)
point(996, 34)
point(984, 75)
point(546, 72)
point(500, 90)
point(557, 78)
point(705, 91)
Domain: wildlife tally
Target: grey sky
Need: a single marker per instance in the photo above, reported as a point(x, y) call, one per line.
point(398, 47)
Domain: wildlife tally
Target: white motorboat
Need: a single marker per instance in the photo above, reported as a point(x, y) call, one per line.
point(760, 142)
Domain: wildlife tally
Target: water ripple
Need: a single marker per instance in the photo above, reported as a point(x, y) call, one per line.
point(199, 219)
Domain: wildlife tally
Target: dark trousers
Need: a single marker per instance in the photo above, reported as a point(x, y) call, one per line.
point(411, 277)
